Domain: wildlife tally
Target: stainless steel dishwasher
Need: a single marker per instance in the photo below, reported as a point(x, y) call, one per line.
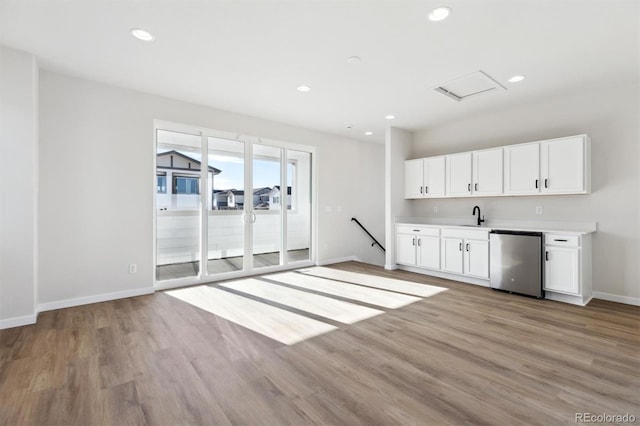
point(516, 262)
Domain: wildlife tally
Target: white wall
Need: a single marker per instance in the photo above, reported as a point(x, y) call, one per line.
point(94, 222)
point(18, 187)
point(398, 147)
point(611, 117)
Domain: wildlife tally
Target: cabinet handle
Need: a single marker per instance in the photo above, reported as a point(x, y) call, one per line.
point(563, 241)
point(414, 241)
point(536, 183)
point(421, 190)
point(419, 242)
point(467, 246)
point(416, 230)
point(546, 256)
point(546, 183)
point(426, 189)
point(460, 247)
point(475, 186)
point(469, 187)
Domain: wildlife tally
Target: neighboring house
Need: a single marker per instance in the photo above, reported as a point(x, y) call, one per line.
point(178, 181)
point(224, 199)
point(275, 198)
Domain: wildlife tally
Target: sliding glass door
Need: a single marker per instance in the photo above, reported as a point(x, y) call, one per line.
point(226, 209)
point(247, 209)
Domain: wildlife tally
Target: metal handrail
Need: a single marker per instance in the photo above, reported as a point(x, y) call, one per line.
point(375, 242)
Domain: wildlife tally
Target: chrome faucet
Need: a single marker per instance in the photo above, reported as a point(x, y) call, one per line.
point(474, 213)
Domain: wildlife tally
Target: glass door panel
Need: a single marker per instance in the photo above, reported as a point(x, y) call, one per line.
point(225, 205)
point(266, 206)
point(298, 206)
point(178, 188)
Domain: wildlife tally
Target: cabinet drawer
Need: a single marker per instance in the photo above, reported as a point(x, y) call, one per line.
point(465, 234)
point(422, 230)
point(562, 240)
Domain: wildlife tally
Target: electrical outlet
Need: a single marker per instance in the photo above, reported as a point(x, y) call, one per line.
point(538, 209)
point(435, 210)
point(133, 268)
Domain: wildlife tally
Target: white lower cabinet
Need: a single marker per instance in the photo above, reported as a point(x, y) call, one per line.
point(567, 267)
point(476, 258)
point(428, 252)
point(465, 252)
point(418, 246)
point(406, 249)
point(451, 250)
point(562, 270)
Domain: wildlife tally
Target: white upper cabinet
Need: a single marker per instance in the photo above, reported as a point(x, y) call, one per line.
point(424, 177)
point(562, 166)
point(458, 169)
point(557, 166)
point(413, 178)
point(434, 177)
point(522, 169)
point(487, 172)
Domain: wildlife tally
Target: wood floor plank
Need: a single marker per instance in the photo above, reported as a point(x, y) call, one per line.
point(468, 355)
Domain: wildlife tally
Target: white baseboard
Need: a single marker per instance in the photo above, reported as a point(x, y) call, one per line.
point(391, 267)
point(617, 298)
point(18, 321)
point(337, 260)
point(67, 303)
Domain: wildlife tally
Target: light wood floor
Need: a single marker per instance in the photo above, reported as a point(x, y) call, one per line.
point(468, 355)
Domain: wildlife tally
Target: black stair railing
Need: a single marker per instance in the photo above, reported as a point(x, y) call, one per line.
point(375, 242)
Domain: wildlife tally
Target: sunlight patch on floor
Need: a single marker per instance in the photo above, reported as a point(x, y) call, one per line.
point(278, 324)
point(422, 290)
point(324, 293)
point(372, 296)
point(323, 306)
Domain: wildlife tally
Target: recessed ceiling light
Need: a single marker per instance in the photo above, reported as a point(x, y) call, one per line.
point(141, 34)
point(368, 133)
point(440, 13)
point(303, 88)
point(354, 59)
point(390, 117)
point(516, 78)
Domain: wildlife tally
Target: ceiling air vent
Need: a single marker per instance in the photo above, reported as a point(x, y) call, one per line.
point(469, 85)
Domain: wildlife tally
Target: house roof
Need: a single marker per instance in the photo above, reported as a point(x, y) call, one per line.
point(288, 189)
point(186, 157)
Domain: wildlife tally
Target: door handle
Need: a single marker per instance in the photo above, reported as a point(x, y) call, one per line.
point(426, 189)
point(467, 246)
point(536, 183)
point(546, 183)
point(546, 256)
point(469, 187)
point(475, 186)
point(419, 242)
point(414, 241)
point(421, 190)
point(460, 247)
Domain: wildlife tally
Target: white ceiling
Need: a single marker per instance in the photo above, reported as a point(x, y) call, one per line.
point(249, 56)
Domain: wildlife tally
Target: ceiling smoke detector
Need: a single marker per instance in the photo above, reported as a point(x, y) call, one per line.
point(469, 85)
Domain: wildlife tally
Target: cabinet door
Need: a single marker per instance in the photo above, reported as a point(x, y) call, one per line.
point(434, 176)
point(406, 249)
point(476, 258)
point(522, 169)
point(451, 255)
point(458, 174)
point(562, 165)
point(487, 172)
point(562, 269)
point(413, 175)
point(428, 252)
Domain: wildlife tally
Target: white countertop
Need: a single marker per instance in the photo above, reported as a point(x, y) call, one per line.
point(578, 228)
